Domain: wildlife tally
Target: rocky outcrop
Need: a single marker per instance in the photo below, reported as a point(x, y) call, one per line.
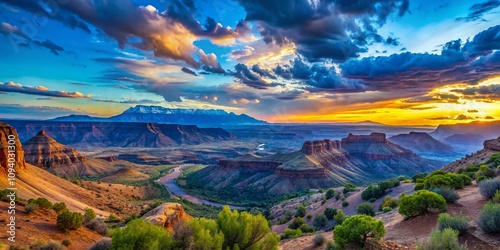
point(492, 144)
point(43, 151)
point(167, 215)
point(315, 147)
point(108, 158)
point(145, 159)
point(10, 144)
point(120, 134)
point(372, 138)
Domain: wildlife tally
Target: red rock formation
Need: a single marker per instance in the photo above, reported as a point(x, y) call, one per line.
point(167, 215)
point(261, 165)
point(315, 147)
point(44, 151)
point(9, 137)
point(108, 158)
point(307, 173)
point(493, 144)
point(372, 138)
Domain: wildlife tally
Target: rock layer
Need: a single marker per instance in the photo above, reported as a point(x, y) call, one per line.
point(167, 215)
point(9, 137)
point(492, 144)
point(43, 151)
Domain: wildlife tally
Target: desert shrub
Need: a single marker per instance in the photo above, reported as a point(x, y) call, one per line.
point(349, 188)
point(59, 207)
point(458, 222)
point(301, 211)
point(407, 181)
point(98, 226)
point(488, 188)
point(489, 218)
point(494, 159)
point(139, 234)
point(345, 203)
point(66, 242)
point(309, 216)
point(52, 245)
point(496, 197)
point(103, 244)
point(31, 207)
point(440, 178)
point(485, 171)
point(401, 178)
point(446, 239)
point(365, 208)
point(419, 186)
point(296, 223)
point(481, 179)
point(206, 234)
point(418, 176)
point(330, 212)
point(421, 202)
point(358, 229)
point(69, 220)
point(375, 192)
point(386, 209)
point(43, 203)
point(337, 196)
point(330, 245)
point(372, 200)
point(320, 221)
point(89, 214)
point(448, 193)
point(291, 234)
point(306, 229)
point(318, 240)
point(340, 217)
point(330, 193)
point(112, 217)
point(390, 202)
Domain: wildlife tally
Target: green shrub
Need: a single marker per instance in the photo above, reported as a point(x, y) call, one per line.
point(98, 226)
point(489, 218)
point(488, 188)
point(349, 188)
point(330, 212)
point(357, 229)
point(330, 193)
point(320, 221)
point(296, 223)
point(390, 202)
point(365, 208)
point(301, 211)
point(291, 234)
point(421, 202)
point(485, 171)
point(306, 229)
point(318, 240)
point(448, 193)
point(496, 197)
point(458, 222)
point(89, 214)
point(112, 217)
point(139, 234)
point(59, 207)
point(69, 220)
point(204, 232)
point(386, 209)
point(440, 240)
point(372, 200)
point(31, 207)
point(345, 203)
point(309, 216)
point(66, 242)
point(337, 196)
point(339, 217)
point(407, 181)
point(418, 176)
point(52, 245)
point(419, 186)
point(481, 179)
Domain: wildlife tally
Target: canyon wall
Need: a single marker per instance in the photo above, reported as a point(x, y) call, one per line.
point(9, 137)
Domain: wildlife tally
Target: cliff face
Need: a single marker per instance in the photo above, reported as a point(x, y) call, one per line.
point(372, 138)
point(492, 144)
point(167, 215)
point(315, 147)
point(490, 147)
point(9, 137)
point(422, 143)
point(44, 151)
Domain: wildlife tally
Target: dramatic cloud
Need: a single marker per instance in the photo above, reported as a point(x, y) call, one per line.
point(38, 90)
point(188, 71)
point(129, 101)
point(323, 29)
point(477, 11)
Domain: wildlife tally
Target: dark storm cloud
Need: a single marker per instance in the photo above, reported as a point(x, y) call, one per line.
point(245, 76)
point(262, 72)
point(470, 62)
point(477, 11)
point(324, 29)
point(188, 71)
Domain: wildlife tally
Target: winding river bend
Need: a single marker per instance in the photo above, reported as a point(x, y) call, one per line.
point(174, 190)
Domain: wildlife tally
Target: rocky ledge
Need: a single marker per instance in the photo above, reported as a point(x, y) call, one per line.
point(493, 144)
point(6, 134)
point(167, 215)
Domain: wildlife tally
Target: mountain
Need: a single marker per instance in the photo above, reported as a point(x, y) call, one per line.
point(359, 159)
point(464, 139)
point(10, 145)
point(120, 134)
point(484, 129)
point(422, 143)
point(490, 147)
point(157, 114)
point(43, 151)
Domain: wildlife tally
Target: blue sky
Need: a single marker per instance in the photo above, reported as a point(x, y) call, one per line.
point(396, 61)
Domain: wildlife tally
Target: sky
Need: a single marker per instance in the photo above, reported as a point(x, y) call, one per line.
point(399, 62)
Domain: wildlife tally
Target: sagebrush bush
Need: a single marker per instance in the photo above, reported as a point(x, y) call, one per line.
point(301, 211)
point(59, 207)
point(357, 229)
point(440, 240)
point(365, 208)
point(390, 202)
point(31, 207)
point(457, 222)
point(98, 226)
point(421, 202)
point(52, 245)
point(69, 220)
point(89, 214)
point(448, 193)
point(489, 218)
point(330, 212)
point(103, 244)
point(291, 234)
point(306, 229)
point(488, 188)
point(296, 223)
point(320, 221)
point(318, 240)
point(386, 209)
point(339, 218)
point(496, 197)
point(345, 203)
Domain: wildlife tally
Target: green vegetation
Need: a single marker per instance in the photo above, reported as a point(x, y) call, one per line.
point(330, 193)
point(318, 240)
point(349, 188)
point(357, 230)
point(421, 202)
point(446, 239)
point(59, 207)
point(330, 213)
point(89, 214)
point(291, 234)
point(379, 190)
point(139, 234)
point(496, 197)
point(31, 207)
point(439, 178)
point(206, 234)
point(488, 188)
point(319, 221)
point(482, 171)
point(301, 211)
point(458, 222)
point(366, 209)
point(296, 223)
point(41, 203)
point(345, 203)
point(69, 220)
point(389, 202)
point(448, 193)
point(97, 225)
point(489, 218)
point(340, 217)
point(418, 176)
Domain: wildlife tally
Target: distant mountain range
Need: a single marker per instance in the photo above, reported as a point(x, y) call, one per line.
point(157, 114)
point(422, 143)
point(487, 130)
